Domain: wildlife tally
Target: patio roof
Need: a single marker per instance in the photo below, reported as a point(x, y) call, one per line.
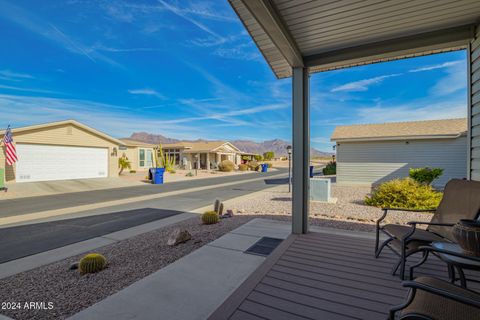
point(326, 35)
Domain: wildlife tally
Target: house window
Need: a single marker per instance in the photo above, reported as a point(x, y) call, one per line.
point(142, 158)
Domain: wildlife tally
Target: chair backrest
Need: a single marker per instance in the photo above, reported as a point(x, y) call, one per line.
point(461, 200)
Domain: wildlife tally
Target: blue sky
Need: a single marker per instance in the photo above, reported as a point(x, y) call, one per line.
point(188, 70)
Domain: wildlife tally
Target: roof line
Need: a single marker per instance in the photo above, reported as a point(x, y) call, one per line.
point(63, 122)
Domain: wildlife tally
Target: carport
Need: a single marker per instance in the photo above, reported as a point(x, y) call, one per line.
point(300, 37)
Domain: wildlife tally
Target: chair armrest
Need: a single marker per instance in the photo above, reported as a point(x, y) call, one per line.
point(452, 253)
point(431, 223)
point(443, 293)
point(411, 210)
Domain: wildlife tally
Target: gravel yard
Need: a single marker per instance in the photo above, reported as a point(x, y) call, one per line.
point(348, 213)
point(128, 261)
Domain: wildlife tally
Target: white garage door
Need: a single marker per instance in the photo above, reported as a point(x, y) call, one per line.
point(45, 163)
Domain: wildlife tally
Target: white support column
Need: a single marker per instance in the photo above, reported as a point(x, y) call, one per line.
point(301, 150)
point(208, 161)
point(198, 162)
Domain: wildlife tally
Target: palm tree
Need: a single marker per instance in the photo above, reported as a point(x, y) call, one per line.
point(124, 163)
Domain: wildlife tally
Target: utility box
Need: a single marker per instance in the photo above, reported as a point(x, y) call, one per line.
point(320, 190)
point(2, 179)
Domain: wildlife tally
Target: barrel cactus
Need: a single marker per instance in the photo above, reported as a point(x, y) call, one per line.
point(210, 217)
point(91, 263)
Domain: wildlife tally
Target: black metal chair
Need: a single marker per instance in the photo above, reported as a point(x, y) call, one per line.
point(434, 299)
point(461, 200)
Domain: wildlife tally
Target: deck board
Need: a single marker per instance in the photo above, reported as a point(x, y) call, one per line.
point(323, 276)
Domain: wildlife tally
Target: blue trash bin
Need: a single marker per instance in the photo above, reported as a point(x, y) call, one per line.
point(264, 167)
point(311, 171)
point(158, 176)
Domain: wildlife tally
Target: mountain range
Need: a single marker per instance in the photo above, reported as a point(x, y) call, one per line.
point(278, 146)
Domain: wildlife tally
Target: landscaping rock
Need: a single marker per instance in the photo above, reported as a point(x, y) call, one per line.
point(178, 236)
point(74, 266)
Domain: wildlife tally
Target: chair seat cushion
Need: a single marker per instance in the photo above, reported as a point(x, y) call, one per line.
point(436, 307)
point(398, 231)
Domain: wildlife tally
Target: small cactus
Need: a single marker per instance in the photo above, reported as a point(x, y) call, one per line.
point(91, 263)
point(210, 217)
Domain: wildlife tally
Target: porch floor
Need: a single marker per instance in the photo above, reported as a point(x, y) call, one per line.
point(323, 276)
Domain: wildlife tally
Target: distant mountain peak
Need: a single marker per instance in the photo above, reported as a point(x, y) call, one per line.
point(278, 146)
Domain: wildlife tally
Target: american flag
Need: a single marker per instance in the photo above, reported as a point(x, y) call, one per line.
point(10, 151)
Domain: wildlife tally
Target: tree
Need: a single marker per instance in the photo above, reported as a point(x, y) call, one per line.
point(258, 157)
point(269, 155)
point(124, 163)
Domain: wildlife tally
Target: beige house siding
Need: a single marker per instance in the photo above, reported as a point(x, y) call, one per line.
point(367, 163)
point(62, 135)
point(133, 154)
point(474, 112)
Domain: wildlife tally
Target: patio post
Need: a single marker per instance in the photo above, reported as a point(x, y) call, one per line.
point(208, 161)
point(301, 149)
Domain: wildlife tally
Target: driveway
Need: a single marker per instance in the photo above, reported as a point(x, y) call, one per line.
point(44, 188)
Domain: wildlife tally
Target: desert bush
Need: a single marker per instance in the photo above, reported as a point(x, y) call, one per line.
point(269, 155)
point(226, 166)
point(189, 174)
point(133, 171)
point(210, 217)
point(243, 167)
point(330, 168)
point(258, 157)
point(124, 163)
point(269, 164)
point(91, 263)
point(425, 175)
point(404, 193)
point(253, 165)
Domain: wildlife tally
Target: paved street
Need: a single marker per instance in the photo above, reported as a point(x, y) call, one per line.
point(43, 203)
point(25, 240)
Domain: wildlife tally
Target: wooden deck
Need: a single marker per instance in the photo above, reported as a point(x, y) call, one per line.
point(322, 276)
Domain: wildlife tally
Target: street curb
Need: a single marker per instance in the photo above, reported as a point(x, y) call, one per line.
point(31, 217)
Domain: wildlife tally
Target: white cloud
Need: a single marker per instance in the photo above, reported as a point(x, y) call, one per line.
point(36, 25)
point(363, 85)
point(412, 112)
point(147, 92)
point(34, 90)
point(437, 66)
point(185, 15)
point(455, 80)
point(14, 76)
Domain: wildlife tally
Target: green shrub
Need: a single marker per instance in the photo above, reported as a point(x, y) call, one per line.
point(173, 171)
point(243, 167)
point(404, 193)
point(258, 157)
point(124, 163)
point(226, 166)
point(269, 155)
point(133, 171)
point(253, 165)
point(210, 217)
point(330, 168)
point(425, 175)
point(91, 263)
point(189, 174)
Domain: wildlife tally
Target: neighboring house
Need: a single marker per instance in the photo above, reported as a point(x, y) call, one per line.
point(140, 154)
point(59, 151)
point(202, 154)
point(373, 153)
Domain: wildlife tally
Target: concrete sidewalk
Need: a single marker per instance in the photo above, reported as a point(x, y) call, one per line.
point(193, 287)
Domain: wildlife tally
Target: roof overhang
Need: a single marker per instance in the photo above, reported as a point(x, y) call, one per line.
point(398, 138)
point(327, 35)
